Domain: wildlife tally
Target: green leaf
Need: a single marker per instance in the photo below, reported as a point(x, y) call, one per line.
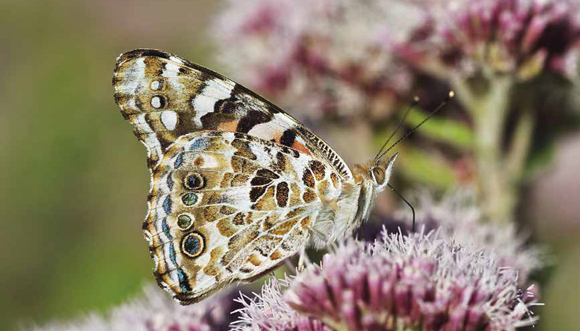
point(442, 129)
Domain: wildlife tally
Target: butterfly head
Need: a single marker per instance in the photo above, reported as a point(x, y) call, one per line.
point(375, 175)
point(380, 172)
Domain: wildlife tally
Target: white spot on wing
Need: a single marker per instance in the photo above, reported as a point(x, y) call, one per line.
point(210, 161)
point(132, 77)
point(266, 131)
point(169, 119)
point(131, 105)
point(155, 85)
point(176, 59)
point(203, 103)
point(214, 90)
point(283, 118)
point(148, 236)
point(156, 102)
point(141, 124)
point(151, 141)
point(172, 67)
point(218, 88)
point(155, 262)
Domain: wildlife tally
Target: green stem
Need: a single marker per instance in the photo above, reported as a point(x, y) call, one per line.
point(489, 107)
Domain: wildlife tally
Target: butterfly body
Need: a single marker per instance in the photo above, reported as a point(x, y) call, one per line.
point(237, 184)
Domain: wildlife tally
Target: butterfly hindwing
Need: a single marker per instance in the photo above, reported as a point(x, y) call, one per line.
point(226, 207)
point(166, 97)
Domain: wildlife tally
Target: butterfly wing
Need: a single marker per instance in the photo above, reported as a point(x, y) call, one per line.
point(236, 182)
point(165, 97)
point(227, 207)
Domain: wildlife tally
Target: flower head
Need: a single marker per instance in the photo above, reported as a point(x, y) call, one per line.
point(156, 311)
point(328, 54)
point(519, 37)
point(411, 283)
point(457, 217)
point(269, 311)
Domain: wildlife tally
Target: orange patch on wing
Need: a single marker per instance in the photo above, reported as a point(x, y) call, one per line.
point(309, 196)
point(226, 180)
point(226, 228)
point(267, 201)
point(284, 228)
point(255, 260)
point(334, 179)
point(276, 255)
point(173, 285)
point(230, 126)
point(305, 222)
point(213, 268)
point(300, 147)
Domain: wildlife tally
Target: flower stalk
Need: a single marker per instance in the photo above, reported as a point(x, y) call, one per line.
point(488, 101)
point(498, 170)
point(485, 50)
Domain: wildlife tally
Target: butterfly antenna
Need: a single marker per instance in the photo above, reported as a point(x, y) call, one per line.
point(443, 103)
point(408, 204)
point(411, 106)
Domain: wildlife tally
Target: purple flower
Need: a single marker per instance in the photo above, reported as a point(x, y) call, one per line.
point(156, 311)
point(457, 216)
point(518, 37)
point(328, 54)
point(417, 282)
point(270, 312)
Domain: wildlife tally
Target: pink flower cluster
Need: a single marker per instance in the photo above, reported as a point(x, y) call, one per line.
point(156, 311)
point(456, 216)
point(436, 281)
point(314, 57)
point(270, 312)
point(343, 57)
point(520, 37)
point(417, 282)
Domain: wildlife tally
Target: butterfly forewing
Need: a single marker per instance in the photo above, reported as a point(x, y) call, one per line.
point(165, 97)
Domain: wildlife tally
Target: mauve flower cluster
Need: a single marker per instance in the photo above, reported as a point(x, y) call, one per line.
point(270, 312)
point(519, 37)
point(456, 216)
point(416, 282)
point(411, 282)
point(156, 311)
point(329, 54)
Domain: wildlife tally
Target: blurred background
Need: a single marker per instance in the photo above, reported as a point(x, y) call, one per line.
point(74, 177)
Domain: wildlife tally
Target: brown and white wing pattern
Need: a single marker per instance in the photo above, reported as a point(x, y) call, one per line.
point(227, 207)
point(165, 97)
point(237, 184)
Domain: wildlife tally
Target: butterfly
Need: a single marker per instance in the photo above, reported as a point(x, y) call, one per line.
point(237, 184)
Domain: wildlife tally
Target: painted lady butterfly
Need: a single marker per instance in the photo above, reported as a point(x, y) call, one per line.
point(237, 185)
